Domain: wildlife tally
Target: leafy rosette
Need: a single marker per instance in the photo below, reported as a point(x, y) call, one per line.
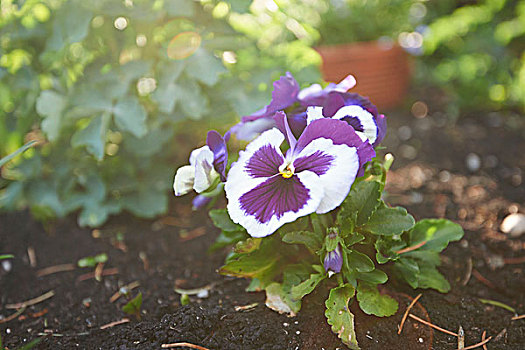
point(266, 189)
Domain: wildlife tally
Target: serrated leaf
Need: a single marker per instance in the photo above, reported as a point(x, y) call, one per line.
point(339, 316)
point(306, 287)
point(50, 105)
point(130, 116)
point(222, 220)
point(309, 239)
point(374, 303)
point(205, 67)
point(436, 232)
point(364, 198)
point(93, 136)
point(389, 221)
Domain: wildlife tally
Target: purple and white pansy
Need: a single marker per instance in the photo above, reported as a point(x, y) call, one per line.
point(207, 165)
point(266, 189)
point(286, 94)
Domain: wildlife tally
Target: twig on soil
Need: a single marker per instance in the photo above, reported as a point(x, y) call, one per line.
point(185, 236)
point(414, 301)
point(483, 337)
point(461, 338)
point(478, 344)
point(501, 334)
point(128, 287)
point(30, 302)
point(468, 274)
point(246, 307)
point(514, 261)
point(498, 304)
point(409, 249)
point(13, 316)
point(518, 317)
point(98, 271)
point(180, 345)
point(108, 272)
point(115, 323)
point(432, 325)
point(54, 269)
point(32, 256)
point(482, 279)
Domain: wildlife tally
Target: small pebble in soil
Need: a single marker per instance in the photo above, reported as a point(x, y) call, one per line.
point(286, 324)
point(297, 332)
point(444, 176)
point(296, 322)
point(8, 330)
point(513, 224)
point(420, 340)
point(7, 265)
point(473, 162)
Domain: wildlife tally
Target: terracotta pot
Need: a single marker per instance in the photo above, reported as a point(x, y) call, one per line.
point(382, 72)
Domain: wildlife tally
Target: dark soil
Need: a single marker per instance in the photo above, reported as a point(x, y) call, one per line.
point(430, 177)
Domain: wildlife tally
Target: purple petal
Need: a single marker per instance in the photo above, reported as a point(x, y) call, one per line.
point(381, 129)
point(281, 121)
point(333, 261)
point(249, 130)
point(264, 162)
point(340, 133)
point(275, 197)
point(317, 162)
point(284, 93)
point(200, 201)
point(217, 145)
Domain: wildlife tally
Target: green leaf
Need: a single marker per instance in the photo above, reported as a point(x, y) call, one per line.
point(130, 116)
point(222, 220)
point(389, 221)
point(50, 105)
point(71, 25)
point(436, 232)
point(205, 67)
point(310, 239)
point(409, 270)
point(227, 238)
point(6, 256)
point(146, 203)
point(150, 144)
point(386, 248)
point(95, 214)
point(306, 287)
point(276, 301)
point(247, 246)
point(359, 261)
point(339, 316)
point(17, 152)
point(430, 277)
point(259, 264)
point(374, 303)
point(364, 198)
point(133, 306)
point(374, 277)
point(93, 136)
point(92, 261)
point(184, 8)
point(240, 6)
point(193, 102)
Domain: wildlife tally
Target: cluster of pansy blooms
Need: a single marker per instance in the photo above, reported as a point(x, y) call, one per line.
point(329, 136)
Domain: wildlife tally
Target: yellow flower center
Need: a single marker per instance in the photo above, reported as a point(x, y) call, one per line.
point(287, 170)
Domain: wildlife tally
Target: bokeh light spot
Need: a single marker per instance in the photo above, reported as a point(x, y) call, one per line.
point(184, 45)
point(141, 40)
point(419, 109)
point(120, 23)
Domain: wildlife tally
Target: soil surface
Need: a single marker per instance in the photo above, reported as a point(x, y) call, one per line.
point(471, 173)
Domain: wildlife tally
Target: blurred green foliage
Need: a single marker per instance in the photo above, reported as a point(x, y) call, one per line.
point(106, 86)
point(474, 52)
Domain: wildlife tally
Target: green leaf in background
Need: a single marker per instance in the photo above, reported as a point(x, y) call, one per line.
point(437, 233)
point(95, 214)
point(6, 256)
point(93, 136)
point(17, 152)
point(71, 24)
point(374, 303)
point(146, 203)
point(222, 220)
point(50, 105)
point(364, 198)
point(130, 116)
point(133, 306)
point(389, 221)
point(184, 8)
point(339, 316)
point(205, 67)
point(309, 239)
point(92, 261)
point(228, 238)
point(306, 287)
point(193, 102)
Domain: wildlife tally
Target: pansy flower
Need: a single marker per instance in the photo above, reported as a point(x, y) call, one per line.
point(207, 165)
point(356, 110)
point(286, 94)
point(333, 261)
point(266, 189)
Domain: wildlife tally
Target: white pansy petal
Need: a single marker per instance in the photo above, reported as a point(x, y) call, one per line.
point(205, 174)
point(184, 179)
point(313, 113)
point(336, 166)
point(366, 119)
point(195, 153)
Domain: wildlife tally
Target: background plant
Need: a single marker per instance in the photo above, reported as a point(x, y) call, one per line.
point(104, 88)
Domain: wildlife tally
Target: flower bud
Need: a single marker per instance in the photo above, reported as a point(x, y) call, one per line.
point(333, 261)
